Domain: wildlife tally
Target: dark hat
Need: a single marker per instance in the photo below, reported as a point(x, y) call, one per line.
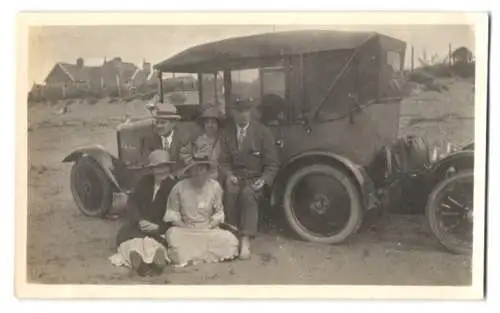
point(211, 111)
point(242, 104)
point(199, 158)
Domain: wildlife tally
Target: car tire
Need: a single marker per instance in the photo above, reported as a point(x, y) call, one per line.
point(91, 189)
point(449, 242)
point(355, 208)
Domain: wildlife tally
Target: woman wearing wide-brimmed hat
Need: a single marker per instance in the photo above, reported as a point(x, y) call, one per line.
point(140, 241)
point(210, 120)
point(196, 212)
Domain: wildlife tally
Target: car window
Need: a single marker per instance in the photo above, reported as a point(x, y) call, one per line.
point(245, 83)
point(274, 107)
point(212, 88)
point(273, 81)
point(394, 60)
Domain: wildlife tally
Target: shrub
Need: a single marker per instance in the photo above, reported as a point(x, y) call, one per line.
point(112, 93)
point(435, 86)
point(438, 70)
point(92, 100)
point(147, 96)
point(114, 100)
point(420, 76)
point(465, 70)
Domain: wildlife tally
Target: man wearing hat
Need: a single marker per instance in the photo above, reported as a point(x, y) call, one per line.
point(249, 161)
point(140, 242)
point(165, 121)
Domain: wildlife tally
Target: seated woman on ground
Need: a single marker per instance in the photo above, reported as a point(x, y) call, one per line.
point(195, 210)
point(207, 143)
point(141, 246)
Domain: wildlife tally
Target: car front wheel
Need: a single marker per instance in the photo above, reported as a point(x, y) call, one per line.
point(91, 189)
point(322, 204)
point(450, 211)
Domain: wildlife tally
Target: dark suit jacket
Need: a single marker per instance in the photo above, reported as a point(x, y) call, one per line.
point(181, 137)
point(258, 157)
point(141, 205)
point(155, 143)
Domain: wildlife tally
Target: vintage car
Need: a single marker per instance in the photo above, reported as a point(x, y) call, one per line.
point(332, 101)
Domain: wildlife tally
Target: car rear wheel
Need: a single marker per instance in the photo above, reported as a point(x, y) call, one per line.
point(322, 204)
point(91, 189)
point(449, 211)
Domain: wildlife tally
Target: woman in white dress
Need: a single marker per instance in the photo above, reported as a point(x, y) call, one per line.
point(196, 212)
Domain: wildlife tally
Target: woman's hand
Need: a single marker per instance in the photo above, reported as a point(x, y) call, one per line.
point(147, 226)
point(181, 224)
point(213, 224)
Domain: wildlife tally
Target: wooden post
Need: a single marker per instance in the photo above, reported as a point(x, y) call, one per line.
point(118, 85)
point(412, 58)
point(216, 99)
point(160, 78)
point(200, 88)
point(449, 54)
point(227, 88)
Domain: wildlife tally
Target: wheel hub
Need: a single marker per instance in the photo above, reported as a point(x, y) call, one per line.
point(319, 204)
point(86, 188)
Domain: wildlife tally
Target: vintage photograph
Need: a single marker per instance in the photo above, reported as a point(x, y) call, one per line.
point(255, 154)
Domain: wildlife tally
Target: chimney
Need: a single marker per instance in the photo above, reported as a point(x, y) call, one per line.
point(80, 63)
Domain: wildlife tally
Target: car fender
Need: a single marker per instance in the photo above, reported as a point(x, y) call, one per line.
point(463, 158)
point(356, 172)
point(103, 158)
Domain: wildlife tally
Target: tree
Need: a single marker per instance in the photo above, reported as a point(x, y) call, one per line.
point(462, 55)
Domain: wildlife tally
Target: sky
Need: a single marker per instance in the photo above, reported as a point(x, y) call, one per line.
point(48, 45)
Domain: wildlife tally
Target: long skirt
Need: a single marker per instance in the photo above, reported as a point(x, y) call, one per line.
point(187, 245)
point(146, 247)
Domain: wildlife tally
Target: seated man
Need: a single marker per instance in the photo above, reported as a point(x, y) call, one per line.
point(249, 161)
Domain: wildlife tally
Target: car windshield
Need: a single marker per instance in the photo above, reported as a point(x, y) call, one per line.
point(212, 88)
point(180, 89)
point(266, 85)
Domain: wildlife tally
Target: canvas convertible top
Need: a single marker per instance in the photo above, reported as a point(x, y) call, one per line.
point(268, 45)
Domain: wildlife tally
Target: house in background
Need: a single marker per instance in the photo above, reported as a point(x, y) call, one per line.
point(112, 78)
point(113, 74)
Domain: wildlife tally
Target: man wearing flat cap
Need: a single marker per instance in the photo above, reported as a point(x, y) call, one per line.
point(249, 161)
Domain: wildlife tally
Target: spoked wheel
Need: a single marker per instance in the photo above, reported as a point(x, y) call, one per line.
point(450, 212)
point(91, 189)
point(322, 204)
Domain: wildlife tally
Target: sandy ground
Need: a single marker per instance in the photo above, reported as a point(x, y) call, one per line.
point(66, 247)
